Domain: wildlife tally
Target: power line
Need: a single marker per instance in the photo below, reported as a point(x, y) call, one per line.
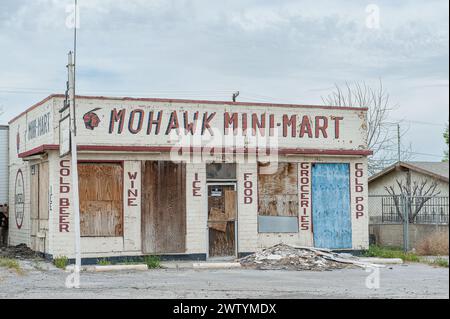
point(422, 122)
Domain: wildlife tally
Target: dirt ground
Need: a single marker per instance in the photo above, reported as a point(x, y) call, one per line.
point(42, 280)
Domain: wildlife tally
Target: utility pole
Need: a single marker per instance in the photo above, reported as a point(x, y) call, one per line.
point(76, 198)
point(75, 192)
point(398, 143)
point(74, 281)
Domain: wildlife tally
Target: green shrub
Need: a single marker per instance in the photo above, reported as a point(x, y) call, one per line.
point(388, 252)
point(153, 262)
point(441, 262)
point(103, 262)
point(61, 262)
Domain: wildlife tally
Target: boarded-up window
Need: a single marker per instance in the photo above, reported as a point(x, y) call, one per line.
point(278, 198)
point(278, 190)
point(101, 199)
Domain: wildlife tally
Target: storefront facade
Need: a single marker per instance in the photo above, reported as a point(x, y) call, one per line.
point(189, 179)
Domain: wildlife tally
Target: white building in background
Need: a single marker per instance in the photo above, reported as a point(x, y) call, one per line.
point(414, 172)
point(189, 179)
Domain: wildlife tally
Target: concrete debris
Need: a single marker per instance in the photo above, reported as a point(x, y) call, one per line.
point(285, 257)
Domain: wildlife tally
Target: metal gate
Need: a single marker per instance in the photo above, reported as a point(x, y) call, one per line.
point(332, 225)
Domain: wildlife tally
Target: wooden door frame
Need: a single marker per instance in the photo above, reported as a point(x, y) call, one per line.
point(222, 183)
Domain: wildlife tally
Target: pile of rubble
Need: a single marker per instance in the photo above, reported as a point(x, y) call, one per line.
point(19, 252)
point(287, 257)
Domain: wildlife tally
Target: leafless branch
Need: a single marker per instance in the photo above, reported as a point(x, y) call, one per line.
point(381, 131)
point(415, 195)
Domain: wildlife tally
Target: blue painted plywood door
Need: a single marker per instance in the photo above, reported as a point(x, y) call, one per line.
point(332, 225)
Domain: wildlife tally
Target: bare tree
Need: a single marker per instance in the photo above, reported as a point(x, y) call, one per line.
point(416, 195)
point(382, 137)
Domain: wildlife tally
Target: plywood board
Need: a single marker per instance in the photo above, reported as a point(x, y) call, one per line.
point(217, 219)
point(230, 204)
point(163, 207)
point(34, 191)
point(43, 191)
point(278, 191)
point(222, 243)
point(101, 199)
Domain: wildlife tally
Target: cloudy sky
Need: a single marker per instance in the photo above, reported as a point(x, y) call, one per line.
point(271, 51)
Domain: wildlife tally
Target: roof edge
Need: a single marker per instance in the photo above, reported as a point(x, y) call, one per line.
point(161, 100)
point(48, 98)
point(408, 166)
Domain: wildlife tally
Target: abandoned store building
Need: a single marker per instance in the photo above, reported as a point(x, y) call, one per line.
point(189, 179)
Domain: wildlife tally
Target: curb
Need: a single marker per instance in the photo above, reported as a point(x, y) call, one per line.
point(216, 265)
point(105, 268)
point(383, 261)
point(201, 265)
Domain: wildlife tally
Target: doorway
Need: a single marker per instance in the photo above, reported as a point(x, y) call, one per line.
point(39, 205)
point(163, 207)
point(331, 206)
point(222, 219)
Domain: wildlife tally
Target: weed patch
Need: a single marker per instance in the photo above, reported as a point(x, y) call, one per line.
point(388, 252)
point(153, 262)
point(61, 262)
point(10, 263)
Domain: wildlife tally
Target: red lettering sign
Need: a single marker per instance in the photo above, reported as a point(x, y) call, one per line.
point(359, 188)
point(293, 125)
point(196, 186)
point(64, 201)
point(132, 191)
point(248, 189)
point(305, 196)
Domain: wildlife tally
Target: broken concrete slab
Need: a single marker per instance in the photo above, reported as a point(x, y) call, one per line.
point(289, 257)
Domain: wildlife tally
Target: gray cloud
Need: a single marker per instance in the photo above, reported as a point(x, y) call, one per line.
point(278, 51)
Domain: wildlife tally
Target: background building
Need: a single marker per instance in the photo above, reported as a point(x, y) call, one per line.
point(4, 173)
point(425, 185)
point(4, 135)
